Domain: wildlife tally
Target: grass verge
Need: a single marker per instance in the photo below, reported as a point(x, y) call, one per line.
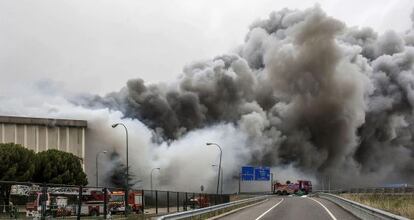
point(402, 205)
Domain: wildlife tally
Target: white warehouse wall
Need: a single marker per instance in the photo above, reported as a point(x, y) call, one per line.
point(42, 134)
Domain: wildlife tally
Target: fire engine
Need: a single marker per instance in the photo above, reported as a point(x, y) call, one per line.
point(116, 203)
point(196, 202)
point(33, 206)
point(301, 186)
point(56, 202)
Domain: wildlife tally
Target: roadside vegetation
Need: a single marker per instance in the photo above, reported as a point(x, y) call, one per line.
point(399, 204)
point(21, 164)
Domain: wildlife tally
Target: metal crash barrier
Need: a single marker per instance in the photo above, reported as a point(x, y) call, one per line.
point(211, 209)
point(359, 210)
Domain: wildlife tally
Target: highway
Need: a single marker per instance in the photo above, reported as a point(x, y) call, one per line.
point(292, 208)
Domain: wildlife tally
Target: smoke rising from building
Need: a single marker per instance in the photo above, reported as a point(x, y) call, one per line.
point(304, 94)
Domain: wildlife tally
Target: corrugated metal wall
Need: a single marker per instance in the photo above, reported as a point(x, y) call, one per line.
point(40, 138)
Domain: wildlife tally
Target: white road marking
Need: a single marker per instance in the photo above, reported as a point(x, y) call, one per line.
point(326, 209)
point(264, 213)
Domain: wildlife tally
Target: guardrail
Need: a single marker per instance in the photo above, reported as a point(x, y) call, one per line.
point(384, 190)
point(397, 190)
point(197, 212)
point(359, 210)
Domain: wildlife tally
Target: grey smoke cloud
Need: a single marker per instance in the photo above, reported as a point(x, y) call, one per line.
point(307, 92)
point(304, 94)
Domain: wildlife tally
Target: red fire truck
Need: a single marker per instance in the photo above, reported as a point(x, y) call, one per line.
point(56, 203)
point(33, 206)
point(116, 203)
point(301, 186)
point(200, 201)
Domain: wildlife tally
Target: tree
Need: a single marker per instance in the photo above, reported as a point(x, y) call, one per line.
point(54, 166)
point(16, 164)
point(118, 176)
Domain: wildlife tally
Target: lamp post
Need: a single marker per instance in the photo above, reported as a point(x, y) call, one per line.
point(329, 184)
point(127, 165)
point(219, 170)
point(97, 167)
point(151, 176)
point(222, 174)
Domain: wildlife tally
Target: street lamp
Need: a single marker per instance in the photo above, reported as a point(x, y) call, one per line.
point(97, 167)
point(151, 175)
point(219, 170)
point(222, 174)
point(127, 165)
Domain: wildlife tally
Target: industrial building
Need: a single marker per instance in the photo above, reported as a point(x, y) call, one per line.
point(40, 134)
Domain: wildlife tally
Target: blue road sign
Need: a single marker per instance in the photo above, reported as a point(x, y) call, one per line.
point(248, 170)
point(247, 173)
point(247, 177)
point(262, 174)
point(250, 173)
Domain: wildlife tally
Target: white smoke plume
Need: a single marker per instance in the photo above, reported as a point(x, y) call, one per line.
point(304, 94)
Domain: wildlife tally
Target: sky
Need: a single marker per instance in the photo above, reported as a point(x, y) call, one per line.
point(95, 46)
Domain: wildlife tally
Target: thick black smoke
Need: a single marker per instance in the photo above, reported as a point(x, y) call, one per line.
point(308, 91)
point(207, 93)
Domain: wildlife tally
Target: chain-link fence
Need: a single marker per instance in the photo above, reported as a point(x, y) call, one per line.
point(52, 201)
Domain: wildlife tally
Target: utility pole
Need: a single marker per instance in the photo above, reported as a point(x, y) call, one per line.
point(239, 182)
point(222, 174)
point(271, 182)
point(151, 177)
point(127, 168)
point(329, 184)
point(219, 170)
point(323, 183)
point(97, 167)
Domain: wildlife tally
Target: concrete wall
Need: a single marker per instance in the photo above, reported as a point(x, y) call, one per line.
point(42, 134)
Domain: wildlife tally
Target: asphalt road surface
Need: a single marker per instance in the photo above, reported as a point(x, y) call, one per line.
point(292, 208)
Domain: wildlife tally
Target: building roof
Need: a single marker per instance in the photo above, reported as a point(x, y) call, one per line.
point(50, 122)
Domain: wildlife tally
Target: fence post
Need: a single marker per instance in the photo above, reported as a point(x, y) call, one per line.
point(156, 202)
point(178, 201)
point(186, 202)
point(44, 198)
point(240, 183)
point(168, 201)
point(215, 199)
point(193, 204)
point(126, 204)
point(79, 203)
point(142, 201)
point(105, 202)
